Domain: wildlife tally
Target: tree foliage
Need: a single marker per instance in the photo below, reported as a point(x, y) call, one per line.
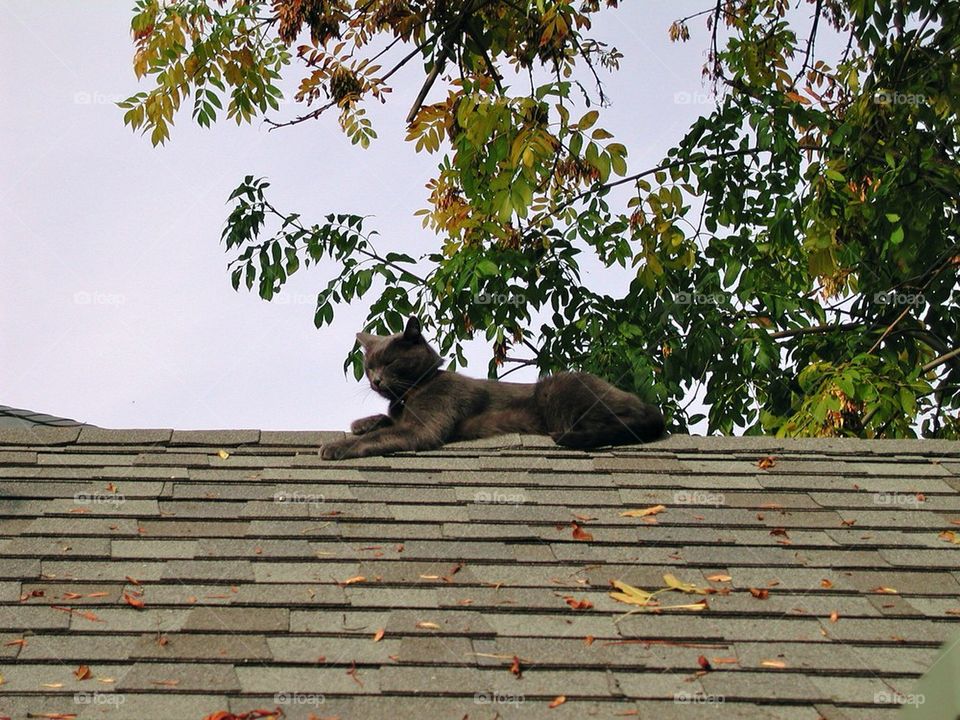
point(794, 256)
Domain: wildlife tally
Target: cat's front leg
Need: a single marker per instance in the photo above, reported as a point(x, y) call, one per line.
point(340, 449)
point(367, 424)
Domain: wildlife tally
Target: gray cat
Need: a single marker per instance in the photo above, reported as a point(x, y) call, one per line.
point(430, 406)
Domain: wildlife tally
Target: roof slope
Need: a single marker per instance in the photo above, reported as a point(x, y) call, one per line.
point(412, 586)
point(19, 418)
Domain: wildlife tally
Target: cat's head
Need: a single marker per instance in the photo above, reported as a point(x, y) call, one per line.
point(396, 363)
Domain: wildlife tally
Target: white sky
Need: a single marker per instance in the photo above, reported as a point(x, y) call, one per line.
point(115, 303)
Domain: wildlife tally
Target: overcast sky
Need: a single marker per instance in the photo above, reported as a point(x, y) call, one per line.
point(116, 304)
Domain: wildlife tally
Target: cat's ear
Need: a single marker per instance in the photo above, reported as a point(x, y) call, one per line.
point(411, 333)
point(366, 340)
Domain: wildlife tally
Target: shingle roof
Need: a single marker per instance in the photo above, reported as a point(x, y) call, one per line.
point(18, 418)
point(417, 585)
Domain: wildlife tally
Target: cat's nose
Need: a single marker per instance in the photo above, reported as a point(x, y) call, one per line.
point(375, 381)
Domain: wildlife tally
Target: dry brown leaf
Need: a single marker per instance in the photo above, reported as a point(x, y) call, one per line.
point(588, 640)
point(423, 624)
point(131, 580)
point(378, 635)
point(766, 462)
point(557, 701)
point(724, 661)
point(773, 663)
point(654, 510)
point(515, 667)
point(165, 683)
point(352, 580)
point(719, 577)
point(133, 601)
point(22, 642)
point(949, 536)
point(826, 584)
point(580, 534)
point(82, 673)
point(704, 663)
point(577, 604)
point(760, 594)
point(885, 590)
point(834, 616)
point(582, 518)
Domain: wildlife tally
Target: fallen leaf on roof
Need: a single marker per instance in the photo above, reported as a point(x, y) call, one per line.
point(580, 534)
point(826, 583)
point(82, 673)
point(779, 531)
point(631, 595)
point(131, 580)
point(719, 577)
point(423, 624)
point(162, 640)
point(577, 604)
point(133, 601)
point(949, 536)
point(557, 701)
point(704, 663)
point(766, 462)
point(429, 577)
point(848, 523)
point(54, 716)
point(515, 667)
point(654, 510)
point(52, 686)
point(352, 580)
point(724, 661)
point(955, 522)
point(165, 683)
point(223, 454)
point(773, 663)
point(885, 590)
point(249, 715)
point(583, 518)
point(22, 642)
point(378, 635)
point(953, 611)
point(760, 594)
point(674, 583)
point(79, 511)
point(834, 616)
point(106, 680)
point(85, 615)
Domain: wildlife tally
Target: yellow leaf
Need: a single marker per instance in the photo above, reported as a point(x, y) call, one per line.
point(223, 454)
point(655, 510)
point(676, 584)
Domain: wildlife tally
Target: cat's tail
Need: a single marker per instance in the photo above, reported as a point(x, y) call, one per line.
point(582, 411)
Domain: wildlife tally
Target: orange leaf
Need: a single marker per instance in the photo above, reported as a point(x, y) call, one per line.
point(423, 624)
point(351, 581)
point(580, 534)
point(378, 635)
point(131, 580)
point(515, 667)
point(22, 642)
point(82, 673)
point(588, 640)
point(826, 583)
point(578, 604)
point(767, 462)
point(719, 577)
point(760, 594)
point(133, 601)
point(557, 701)
point(773, 663)
point(834, 616)
point(704, 663)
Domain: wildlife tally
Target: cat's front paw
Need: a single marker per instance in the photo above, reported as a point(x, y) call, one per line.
point(367, 424)
point(339, 450)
